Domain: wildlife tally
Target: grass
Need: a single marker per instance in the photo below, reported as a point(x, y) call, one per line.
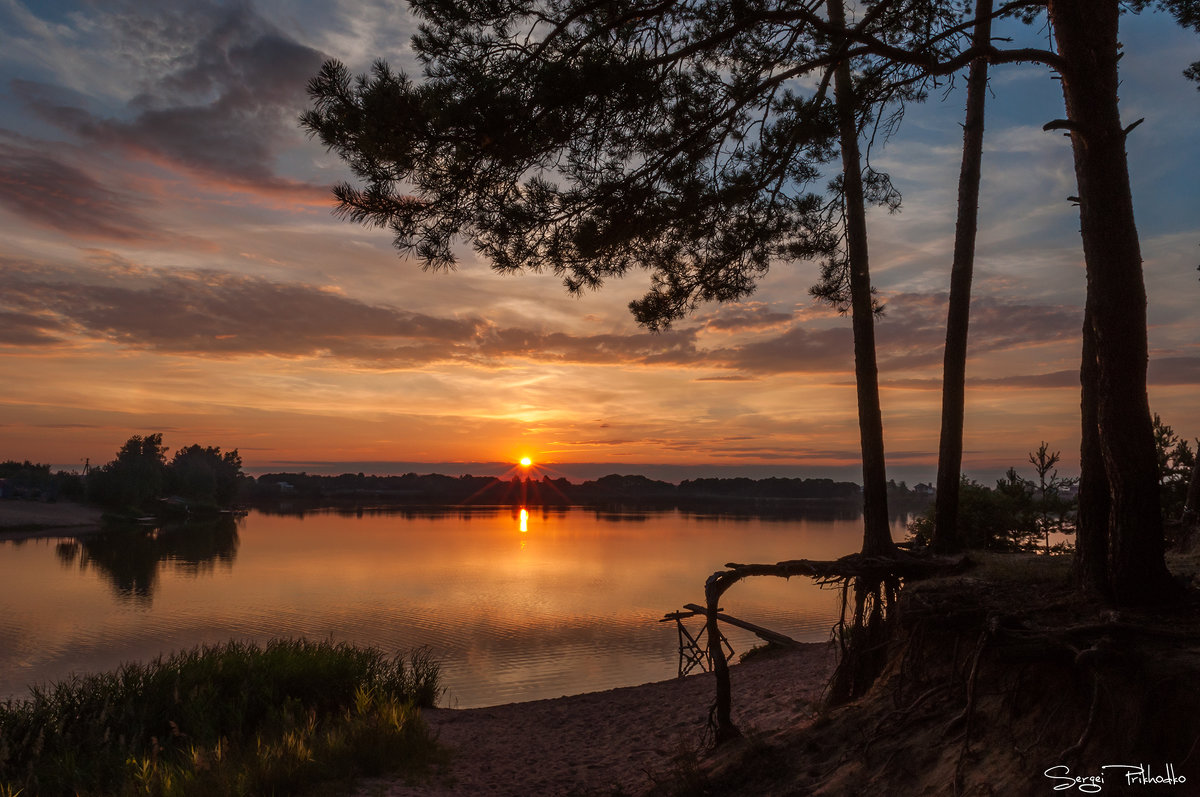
point(231, 719)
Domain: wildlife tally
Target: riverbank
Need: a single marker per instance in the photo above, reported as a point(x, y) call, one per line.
point(614, 742)
point(21, 519)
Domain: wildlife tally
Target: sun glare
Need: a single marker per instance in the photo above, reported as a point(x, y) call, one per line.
point(525, 462)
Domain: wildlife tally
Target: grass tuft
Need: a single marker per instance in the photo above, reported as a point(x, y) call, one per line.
point(228, 719)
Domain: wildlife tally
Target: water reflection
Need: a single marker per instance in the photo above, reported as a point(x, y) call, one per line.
point(131, 557)
point(571, 604)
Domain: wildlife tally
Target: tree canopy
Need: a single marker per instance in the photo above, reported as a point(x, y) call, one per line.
point(690, 139)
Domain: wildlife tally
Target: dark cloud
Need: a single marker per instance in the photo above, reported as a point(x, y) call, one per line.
point(223, 90)
point(1174, 371)
point(747, 317)
point(1053, 379)
point(213, 313)
point(1162, 372)
point(52, 193)
point(26, 329)
point(798, 350)
point(217, 313)
point(75, 426)
point(674, 347)
point(911, 335)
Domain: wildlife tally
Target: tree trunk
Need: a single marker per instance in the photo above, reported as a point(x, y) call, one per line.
point(877, 536)
point(946, 534)
point(1091, 525)
point(1086, 32)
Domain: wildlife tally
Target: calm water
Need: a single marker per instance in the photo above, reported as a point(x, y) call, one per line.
point(515, 608)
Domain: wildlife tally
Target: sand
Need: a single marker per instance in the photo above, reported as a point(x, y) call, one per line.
point(593, 744)
point(23, 518)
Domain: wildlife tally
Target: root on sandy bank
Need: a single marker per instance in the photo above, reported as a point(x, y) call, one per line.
point(989, 685)
point(869, 584)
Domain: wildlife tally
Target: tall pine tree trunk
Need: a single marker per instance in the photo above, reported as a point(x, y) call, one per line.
point(1086, 32)
point(1091, 525)
point(947, 537)
point(877, 536)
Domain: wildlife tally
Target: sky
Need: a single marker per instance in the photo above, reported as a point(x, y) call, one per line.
point(169, 262)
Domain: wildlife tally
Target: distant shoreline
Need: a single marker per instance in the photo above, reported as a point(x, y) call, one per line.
point(607, 491)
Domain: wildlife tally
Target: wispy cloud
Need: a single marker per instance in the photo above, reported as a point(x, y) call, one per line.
point(220, 95)
point(216, 313)
point(53, 193)
point(27, 329)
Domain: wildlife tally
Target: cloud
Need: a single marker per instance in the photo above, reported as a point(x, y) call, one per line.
point(216, 313)
point(798, 350)
point(914, 331)
point(911, 335)
point(26, 329)
point(1162, 372)
point(52, 193)
point(1174, 371)
point(211, 313)
point(667, 348)
point(746, 317)
point(224, 91)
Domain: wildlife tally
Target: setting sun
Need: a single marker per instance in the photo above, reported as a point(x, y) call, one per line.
point(525, 462)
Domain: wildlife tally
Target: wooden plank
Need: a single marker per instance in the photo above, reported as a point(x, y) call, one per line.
point(765, 634)
point(676, 616)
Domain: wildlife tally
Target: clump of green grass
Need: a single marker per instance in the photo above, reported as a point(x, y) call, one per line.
point(228, 719)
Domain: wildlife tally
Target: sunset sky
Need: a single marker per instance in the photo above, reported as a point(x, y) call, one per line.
point(169, 262)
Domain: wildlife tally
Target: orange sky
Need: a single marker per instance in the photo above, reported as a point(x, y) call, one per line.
point(170, 263)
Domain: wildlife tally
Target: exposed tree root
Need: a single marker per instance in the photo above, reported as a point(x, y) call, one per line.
point(1021, 675)
point(864, 641)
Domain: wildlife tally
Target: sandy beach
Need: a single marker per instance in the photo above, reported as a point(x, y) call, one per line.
point(600, 742)
point(32, 518)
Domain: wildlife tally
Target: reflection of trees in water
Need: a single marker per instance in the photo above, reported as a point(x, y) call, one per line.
point(130, 557)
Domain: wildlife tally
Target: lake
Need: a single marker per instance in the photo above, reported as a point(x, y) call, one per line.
point(515, 605)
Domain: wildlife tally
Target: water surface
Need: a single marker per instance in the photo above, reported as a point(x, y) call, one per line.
point(516, 607)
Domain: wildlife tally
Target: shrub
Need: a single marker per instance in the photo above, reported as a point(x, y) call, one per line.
point(226, 719)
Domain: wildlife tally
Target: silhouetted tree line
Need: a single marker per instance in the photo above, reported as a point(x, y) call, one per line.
point(546, 491)
point(141, 478)
point(36, 482)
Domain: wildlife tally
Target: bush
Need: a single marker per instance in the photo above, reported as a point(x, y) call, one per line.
point(1007, 518)
point(228, 719)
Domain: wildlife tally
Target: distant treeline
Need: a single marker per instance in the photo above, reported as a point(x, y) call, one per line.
point(412, 488)
point(36, 482)
point(140, 479)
